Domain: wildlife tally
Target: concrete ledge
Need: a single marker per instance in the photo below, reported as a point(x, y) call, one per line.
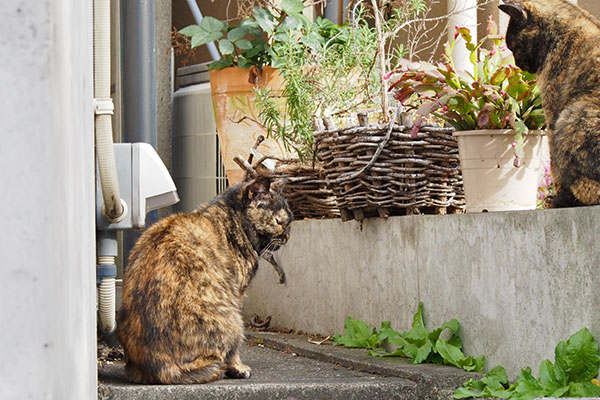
point(275, 375)
point(431, 379)
point(518, 282)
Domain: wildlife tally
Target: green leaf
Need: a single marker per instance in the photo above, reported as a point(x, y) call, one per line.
point(253, 52)
point(290, 23)
point(396, 353)
point(547, 372)
point(250, 24)
point(386, 333)
point(559, 392)
point(582, 356)
point(583, 389)
point(560, 363)
point(464, 393)
point(418, 330)
point(221, 63)
point(190, 30)
point(237, 33)
point(499, 76)
point(465, 33)
point(226, 47)
point(423, 352)
point(264, 18)
point(244, 63)
point(204, 37)
point(451, 354)
point(292, 6)
point(357, 334)
point(211, 24)
point(527, 387)
point(281, 36)
point(456, 341)
point(244, 44)
point(499, 374)
point(453, 325)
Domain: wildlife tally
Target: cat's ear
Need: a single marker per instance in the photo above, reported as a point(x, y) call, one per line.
point(279, 185)
point(516, 11)
point(259, 190)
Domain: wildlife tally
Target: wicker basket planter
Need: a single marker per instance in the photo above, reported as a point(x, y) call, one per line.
point(378, 170)
point(306, 189)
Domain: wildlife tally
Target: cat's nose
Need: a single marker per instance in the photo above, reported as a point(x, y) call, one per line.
point(286, 237)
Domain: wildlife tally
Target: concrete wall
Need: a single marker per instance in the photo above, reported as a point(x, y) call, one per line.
point(518, 282)
point(47, 290)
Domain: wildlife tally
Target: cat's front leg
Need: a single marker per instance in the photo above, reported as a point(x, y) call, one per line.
point(236, 368)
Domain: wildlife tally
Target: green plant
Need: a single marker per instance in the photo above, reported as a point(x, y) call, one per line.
point(494, 95)
point(418, 344)
point(251, 42)
point(573, 374)
point(329, 70)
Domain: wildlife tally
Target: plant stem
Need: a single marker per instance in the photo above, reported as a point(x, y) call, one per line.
point(381, 51)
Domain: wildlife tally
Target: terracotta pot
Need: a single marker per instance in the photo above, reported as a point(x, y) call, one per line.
point(236, 115)
point(491, 181)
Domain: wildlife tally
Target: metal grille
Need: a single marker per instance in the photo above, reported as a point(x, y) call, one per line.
point(221, 179)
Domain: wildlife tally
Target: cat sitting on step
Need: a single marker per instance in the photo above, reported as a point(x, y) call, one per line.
point(180, 321)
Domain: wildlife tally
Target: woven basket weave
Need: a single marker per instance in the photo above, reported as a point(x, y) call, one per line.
point(306, 190)
point(379, 170)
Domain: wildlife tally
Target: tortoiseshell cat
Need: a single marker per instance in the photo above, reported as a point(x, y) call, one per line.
point(559, 41)
point(180, 321)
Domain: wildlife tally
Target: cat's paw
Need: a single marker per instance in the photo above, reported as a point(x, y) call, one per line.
point(239, 371)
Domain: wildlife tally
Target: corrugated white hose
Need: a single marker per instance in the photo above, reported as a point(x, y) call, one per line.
point(113, 209)
point(106, 298)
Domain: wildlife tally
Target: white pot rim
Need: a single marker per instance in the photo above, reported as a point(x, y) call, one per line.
point(484, 132)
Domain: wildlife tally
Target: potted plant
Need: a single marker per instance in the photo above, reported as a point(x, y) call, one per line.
point(333, 73)
point(245, 66)
point(496, 111)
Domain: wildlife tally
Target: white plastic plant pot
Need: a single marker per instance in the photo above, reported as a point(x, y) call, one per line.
point(491, 181)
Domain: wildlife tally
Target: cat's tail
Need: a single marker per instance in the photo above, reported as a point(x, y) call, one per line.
point(199, 371)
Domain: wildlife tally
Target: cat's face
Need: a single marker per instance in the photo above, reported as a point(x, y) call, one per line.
point(534, 27)
point(522, 34)
point(268, 211)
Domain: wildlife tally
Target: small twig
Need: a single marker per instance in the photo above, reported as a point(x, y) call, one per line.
point(382, 58)
point(239, 160)
point(259, 140)
point(377, 152)
point(318, 342)
point(247, 117)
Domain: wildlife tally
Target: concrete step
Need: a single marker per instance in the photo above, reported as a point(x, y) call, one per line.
point(290, 367)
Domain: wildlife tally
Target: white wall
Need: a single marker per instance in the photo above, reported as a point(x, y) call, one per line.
point(47, 289)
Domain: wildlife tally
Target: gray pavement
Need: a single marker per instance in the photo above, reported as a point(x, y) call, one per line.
point(289, 367)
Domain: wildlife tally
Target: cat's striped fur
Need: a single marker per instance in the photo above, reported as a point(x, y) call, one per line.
point(559, 41)
point(180, 319)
